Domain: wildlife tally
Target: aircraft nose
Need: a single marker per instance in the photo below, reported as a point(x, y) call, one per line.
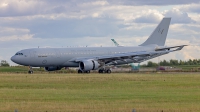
point(13, 58)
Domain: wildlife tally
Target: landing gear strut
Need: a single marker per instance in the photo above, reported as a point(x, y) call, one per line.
point(30, 71)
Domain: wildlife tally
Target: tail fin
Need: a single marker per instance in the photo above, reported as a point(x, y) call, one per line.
point(159, 35)
point(116, 44)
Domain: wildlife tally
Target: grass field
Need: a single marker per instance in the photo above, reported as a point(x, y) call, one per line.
point(100, 92)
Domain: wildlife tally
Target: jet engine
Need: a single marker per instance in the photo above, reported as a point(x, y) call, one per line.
point(52, 68)
point(88, 65)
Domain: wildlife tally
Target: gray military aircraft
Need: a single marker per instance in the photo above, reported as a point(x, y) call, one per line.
point(97, 58)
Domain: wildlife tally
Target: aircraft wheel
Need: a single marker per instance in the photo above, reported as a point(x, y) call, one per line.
point(87, 71)
point(30, 72)
point(100, 71)
point(80, 71)
point(108, 71)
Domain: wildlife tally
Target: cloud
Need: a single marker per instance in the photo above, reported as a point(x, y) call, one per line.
point(10, 8)
point(70, 28)
point(190, 8)
point(1, 58)
point(9, 34)
point(154, 16)
point(175, 42)
point(178, 16)
point(150, 16)
point(74, 28)
point(191, 52)
point(16, 37)
point(20, 8)
point(194, 41)
point(184, 31)
point(11, 31)
point(152, 2)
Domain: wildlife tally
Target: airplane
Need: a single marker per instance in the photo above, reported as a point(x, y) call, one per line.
point(97, 58)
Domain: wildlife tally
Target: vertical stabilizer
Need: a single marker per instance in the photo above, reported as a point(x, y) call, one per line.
point(116, 44)
point(159, 35)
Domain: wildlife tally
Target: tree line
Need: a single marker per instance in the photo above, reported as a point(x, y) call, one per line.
point(172, 62)
point(4, 63)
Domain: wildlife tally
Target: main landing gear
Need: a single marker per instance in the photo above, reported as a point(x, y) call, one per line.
point(30, 71)
point(100, 71)
point(80, 71)
point(104, 71)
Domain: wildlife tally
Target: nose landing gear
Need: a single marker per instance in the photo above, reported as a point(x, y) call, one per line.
point(30, 71)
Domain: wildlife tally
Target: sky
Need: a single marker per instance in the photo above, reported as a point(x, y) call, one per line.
point(79, 23)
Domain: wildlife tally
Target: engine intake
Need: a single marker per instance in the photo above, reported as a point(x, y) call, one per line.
point(52, 68)
point(89, 65)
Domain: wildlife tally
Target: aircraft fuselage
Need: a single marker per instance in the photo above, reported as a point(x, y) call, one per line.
point(43, 57)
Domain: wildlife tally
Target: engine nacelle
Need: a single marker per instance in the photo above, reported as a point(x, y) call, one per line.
point(88, 65)
point(52, 68)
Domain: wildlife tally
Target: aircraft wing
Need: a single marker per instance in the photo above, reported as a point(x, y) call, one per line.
point(169, 49)
point(119, 56)
point(136, 56)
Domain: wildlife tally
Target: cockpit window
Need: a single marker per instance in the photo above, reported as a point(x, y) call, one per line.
point(19, 54)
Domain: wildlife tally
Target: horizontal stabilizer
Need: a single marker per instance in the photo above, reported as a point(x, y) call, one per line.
point(168, 48)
